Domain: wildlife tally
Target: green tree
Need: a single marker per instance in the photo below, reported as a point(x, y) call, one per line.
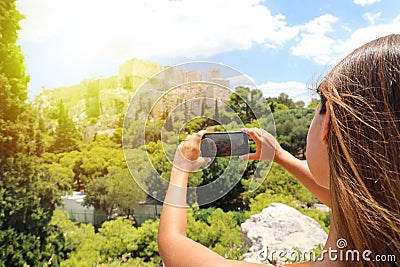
point(73, 161)
point(216, 110)
point(122, 191)
point(202, 107)
point(197, 124)
point(168, 126)
point(284, 98)
point(97, 196)
point(146, 242)
point(102, 169)
point(263, 200)
point(239, 102)
point(134, 135)
point(276, 107)
point(91, 97)
point(279, 182)
point(314, 103)
point(13, 80)
point(61, 176)
point(300, 104)
point(292, 128)
point(93, 160)
point(283, 102)
point(117, 136)
point(153, 131)
point(218, 231)
point(27, 193)
point(81, 242)
point(67, 136)
point(41, 133)
point(117, 241)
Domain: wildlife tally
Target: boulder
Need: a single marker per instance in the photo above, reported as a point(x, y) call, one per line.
point(280, 233)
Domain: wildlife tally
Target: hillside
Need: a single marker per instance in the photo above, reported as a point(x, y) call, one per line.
point(97, 105)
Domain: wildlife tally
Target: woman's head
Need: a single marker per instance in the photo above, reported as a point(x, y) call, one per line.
point(363, 143)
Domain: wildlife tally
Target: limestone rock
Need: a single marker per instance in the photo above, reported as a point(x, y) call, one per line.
point(279, 233)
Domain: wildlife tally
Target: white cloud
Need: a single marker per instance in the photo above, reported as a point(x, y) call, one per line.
point(295, 90)
point(362, 36)
point(91, 31)
point(321, 24)
point(372, 17)
point(314, 42)
point(317, 44)
point(365, 2)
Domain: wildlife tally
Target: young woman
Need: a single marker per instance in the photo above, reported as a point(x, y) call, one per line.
point(353, 164)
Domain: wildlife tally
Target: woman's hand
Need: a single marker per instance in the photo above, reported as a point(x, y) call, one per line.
point(187, 156)
point(267, 148)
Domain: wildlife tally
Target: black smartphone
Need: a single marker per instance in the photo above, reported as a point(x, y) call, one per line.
point(222, 144)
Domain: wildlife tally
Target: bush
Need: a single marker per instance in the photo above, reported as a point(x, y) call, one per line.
point(323, 218)
point(221, 232)
point(263, 200)
point(279, 182)
point(117, 242)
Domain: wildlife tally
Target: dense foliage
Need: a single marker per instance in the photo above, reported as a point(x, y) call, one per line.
point(28, 192)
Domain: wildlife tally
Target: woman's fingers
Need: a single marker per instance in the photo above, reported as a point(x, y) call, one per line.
point(250, 156)
point(265, 144)
point(187, 156)
point(249, 132)
point(198, 136)
point(254, 134)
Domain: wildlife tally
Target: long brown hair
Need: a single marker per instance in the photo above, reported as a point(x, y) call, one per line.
point(363, 92)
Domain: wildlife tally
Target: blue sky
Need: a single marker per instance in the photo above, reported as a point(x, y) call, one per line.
point(283, 45)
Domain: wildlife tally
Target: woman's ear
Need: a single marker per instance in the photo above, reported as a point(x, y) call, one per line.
point(326, 125)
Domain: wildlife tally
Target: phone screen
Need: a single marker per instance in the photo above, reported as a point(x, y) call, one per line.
point(224, 144)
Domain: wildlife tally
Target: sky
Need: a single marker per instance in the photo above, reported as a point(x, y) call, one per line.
point(282, 45)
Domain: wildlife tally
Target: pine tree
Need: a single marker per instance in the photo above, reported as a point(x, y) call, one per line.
point(67, 135)
point(168, 124)
point(202, 107)
point(186, 111)
point(216, 111)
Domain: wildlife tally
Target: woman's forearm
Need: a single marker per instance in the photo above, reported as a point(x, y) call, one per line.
point(174, 247)
point(173, 216)
point(299, 169)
